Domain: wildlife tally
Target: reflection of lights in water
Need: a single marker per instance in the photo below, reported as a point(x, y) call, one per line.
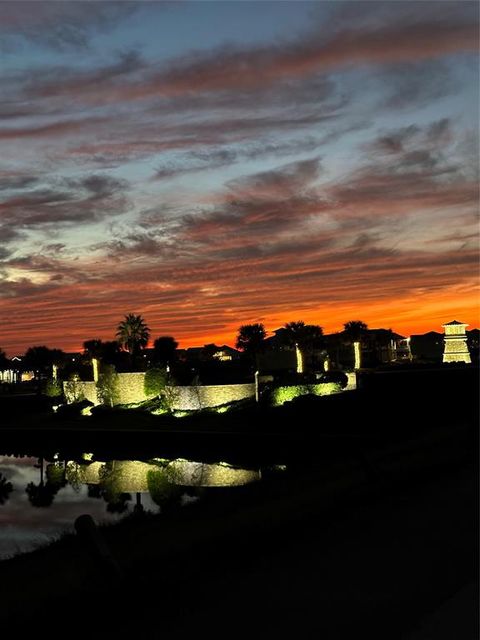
point(132, 475)
point(198, 474)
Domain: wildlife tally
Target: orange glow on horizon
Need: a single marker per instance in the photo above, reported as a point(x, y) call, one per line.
point(406, 317)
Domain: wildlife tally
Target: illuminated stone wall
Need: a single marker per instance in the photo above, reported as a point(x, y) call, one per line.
point(130, 389)
point(80, 391)
point(201, 397)
point(352, 381)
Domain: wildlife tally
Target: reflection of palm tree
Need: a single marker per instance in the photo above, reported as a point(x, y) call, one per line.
point(5, 489)
point(117, 502)
point(138, 508)
point(40, 495)
point(94, 491)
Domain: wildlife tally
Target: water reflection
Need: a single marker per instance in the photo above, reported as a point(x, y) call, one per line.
point(40, 499)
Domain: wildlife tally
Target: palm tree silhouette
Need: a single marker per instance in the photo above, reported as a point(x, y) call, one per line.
point(354, 331)
point(133, 333)
point(250, 340)
point(303, 337)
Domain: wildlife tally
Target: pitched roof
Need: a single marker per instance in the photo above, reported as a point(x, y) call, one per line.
point(464, 324)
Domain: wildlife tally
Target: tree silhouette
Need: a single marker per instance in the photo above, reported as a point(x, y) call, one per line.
point(106, 351)
point(117, 502)
point(250, 340)
point(304, 337)
point(355, 331)
point(41, 494)
point(41, 359)
point(165, 350)
point(6, 488)
point(4, 361)
point(133, 334)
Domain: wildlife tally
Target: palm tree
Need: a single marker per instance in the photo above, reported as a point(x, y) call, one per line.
point(250, 340)
point(133, 333)
point(97, 351)
point(354, 331)
point(303, 337)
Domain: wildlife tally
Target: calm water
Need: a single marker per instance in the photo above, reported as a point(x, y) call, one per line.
point(40, 499)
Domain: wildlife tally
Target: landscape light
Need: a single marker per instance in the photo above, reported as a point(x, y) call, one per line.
point(356, 350)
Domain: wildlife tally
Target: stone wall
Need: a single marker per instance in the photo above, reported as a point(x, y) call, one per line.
point(80, 390)
point(201, 397)
point(130, 389)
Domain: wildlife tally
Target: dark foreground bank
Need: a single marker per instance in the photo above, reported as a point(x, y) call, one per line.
point(372, 530)
point(350, 548)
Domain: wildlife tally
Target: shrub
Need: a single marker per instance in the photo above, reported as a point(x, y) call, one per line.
point(74, 409)
point(107, 386)
point(154, 382)
point(53, 388)
point(74, 389)
point(335, 376)
point(280, 395)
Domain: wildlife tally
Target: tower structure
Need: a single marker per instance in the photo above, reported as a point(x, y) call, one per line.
point(455, 343)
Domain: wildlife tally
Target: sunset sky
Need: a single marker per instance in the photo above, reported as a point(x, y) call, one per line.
point(211, 164)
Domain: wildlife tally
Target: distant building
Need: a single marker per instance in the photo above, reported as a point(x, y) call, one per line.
point(455, 343)
point(378, 346)
point(209, 352)
point(16, 372)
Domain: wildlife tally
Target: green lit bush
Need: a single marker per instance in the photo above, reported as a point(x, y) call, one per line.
point(162, 487)
point(154, 382)
point(280, 395)
point(53, 389)
point(107, 386)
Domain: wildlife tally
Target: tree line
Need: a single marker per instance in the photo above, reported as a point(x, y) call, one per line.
point(133, 335)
